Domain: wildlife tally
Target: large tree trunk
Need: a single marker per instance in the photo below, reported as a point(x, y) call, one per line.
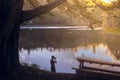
point(10, 11)
point(11, 15)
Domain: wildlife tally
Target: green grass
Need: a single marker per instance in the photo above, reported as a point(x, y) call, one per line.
point(110, 30)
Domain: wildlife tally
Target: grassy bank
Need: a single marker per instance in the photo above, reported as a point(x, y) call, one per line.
point(29, 73)
point(109, 30)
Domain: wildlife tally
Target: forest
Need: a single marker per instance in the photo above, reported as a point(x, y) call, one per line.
point(92, 13)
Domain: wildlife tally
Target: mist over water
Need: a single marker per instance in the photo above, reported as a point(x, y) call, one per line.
point(36, 46)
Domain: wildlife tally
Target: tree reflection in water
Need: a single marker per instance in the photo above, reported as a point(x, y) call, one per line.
point(70, 44)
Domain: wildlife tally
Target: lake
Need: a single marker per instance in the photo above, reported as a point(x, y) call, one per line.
point(37, 45)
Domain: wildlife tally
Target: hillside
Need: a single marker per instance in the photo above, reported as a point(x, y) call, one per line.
point(75, 12)
point(56, 17)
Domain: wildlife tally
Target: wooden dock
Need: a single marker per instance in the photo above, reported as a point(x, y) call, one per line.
point(97, 71)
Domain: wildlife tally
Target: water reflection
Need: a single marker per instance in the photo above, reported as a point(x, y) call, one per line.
point(65, 59)
point(37, 47)
point(99, 52)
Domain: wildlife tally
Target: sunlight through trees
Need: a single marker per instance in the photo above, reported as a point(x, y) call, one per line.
point(92, 13)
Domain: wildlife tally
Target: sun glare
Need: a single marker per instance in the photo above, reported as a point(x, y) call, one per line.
point(108, 1)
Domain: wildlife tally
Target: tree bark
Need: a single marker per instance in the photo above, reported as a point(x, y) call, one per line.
point(11, 15)
point(29, 14)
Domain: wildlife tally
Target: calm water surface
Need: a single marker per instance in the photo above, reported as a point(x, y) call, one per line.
point(36, 46)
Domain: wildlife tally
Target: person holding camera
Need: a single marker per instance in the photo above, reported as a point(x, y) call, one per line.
point(52, 62)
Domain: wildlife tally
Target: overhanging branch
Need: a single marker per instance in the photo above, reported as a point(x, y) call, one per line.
point(29, 14)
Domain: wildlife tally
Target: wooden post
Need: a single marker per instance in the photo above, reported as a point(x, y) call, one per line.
point(81, 64)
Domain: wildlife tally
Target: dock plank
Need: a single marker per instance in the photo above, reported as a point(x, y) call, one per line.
point(99, 62)
point(88, 72)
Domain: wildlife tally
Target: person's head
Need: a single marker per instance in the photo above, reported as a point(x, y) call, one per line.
point(53, 57)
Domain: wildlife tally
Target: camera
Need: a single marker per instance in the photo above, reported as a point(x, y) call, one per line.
point(54, 57)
